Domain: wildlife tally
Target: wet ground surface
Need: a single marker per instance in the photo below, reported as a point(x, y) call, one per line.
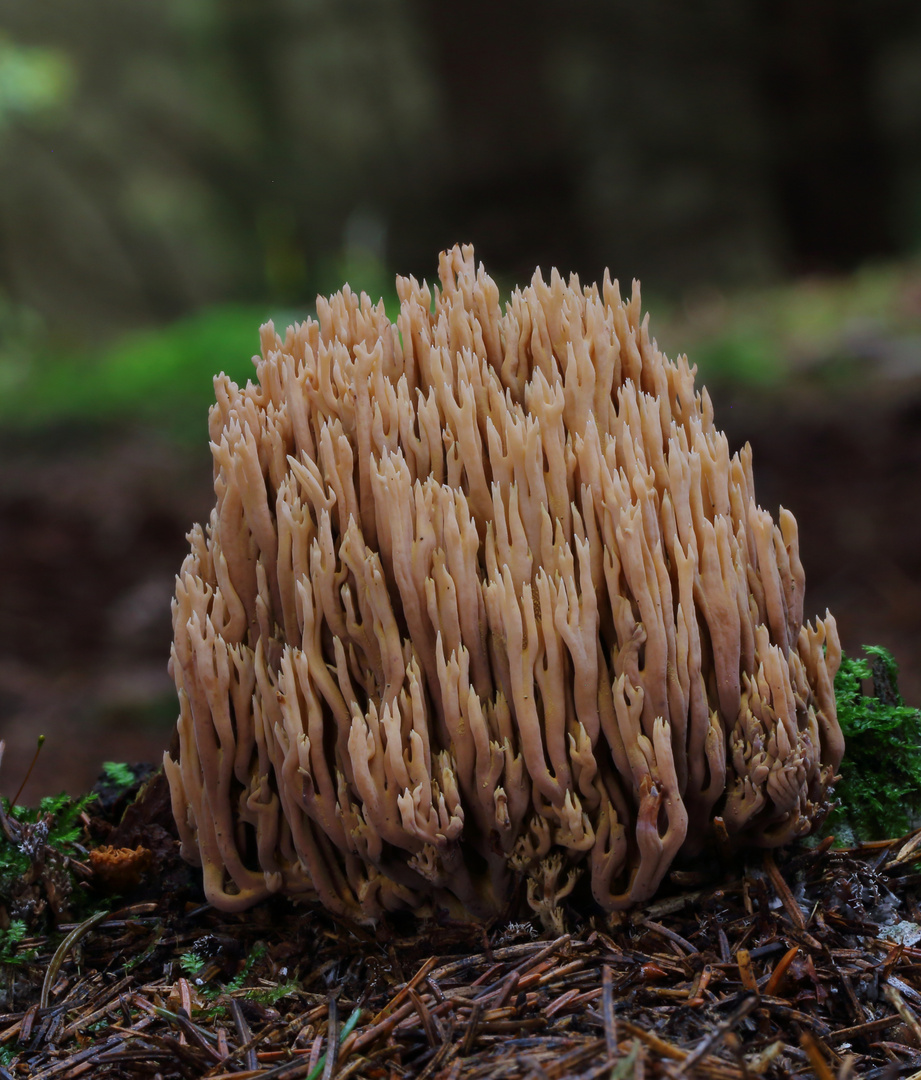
point(92, 532)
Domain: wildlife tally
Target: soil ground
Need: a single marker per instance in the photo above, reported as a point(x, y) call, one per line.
point(92, 532)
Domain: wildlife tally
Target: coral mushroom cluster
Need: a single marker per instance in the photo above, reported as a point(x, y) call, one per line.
point(485, 599)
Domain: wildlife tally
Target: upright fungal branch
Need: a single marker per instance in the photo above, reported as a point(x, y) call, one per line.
point(484, 597)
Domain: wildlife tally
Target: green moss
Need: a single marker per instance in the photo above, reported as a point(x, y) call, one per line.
point(194, 967)
point(39, 853)
point(880, 786)
point(191, 963)
point(10, 938)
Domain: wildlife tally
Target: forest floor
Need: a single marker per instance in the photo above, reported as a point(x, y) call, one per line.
point(803, 964)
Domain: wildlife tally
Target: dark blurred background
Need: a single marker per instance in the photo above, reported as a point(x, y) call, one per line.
point(173, 172)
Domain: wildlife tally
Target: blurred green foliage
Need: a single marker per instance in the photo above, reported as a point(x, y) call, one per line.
point(232, 158)
point(832, 329)
point(160, 377)
point(33, 80)
point(161, 156)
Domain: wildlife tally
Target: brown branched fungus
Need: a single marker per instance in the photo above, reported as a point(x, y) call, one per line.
point(119, 870)
point(484, 597)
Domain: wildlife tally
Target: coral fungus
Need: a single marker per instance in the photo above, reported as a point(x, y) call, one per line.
point(485, 598)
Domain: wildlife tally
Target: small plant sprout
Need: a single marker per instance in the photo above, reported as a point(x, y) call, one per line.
point(118, 774)
point(25, 779)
